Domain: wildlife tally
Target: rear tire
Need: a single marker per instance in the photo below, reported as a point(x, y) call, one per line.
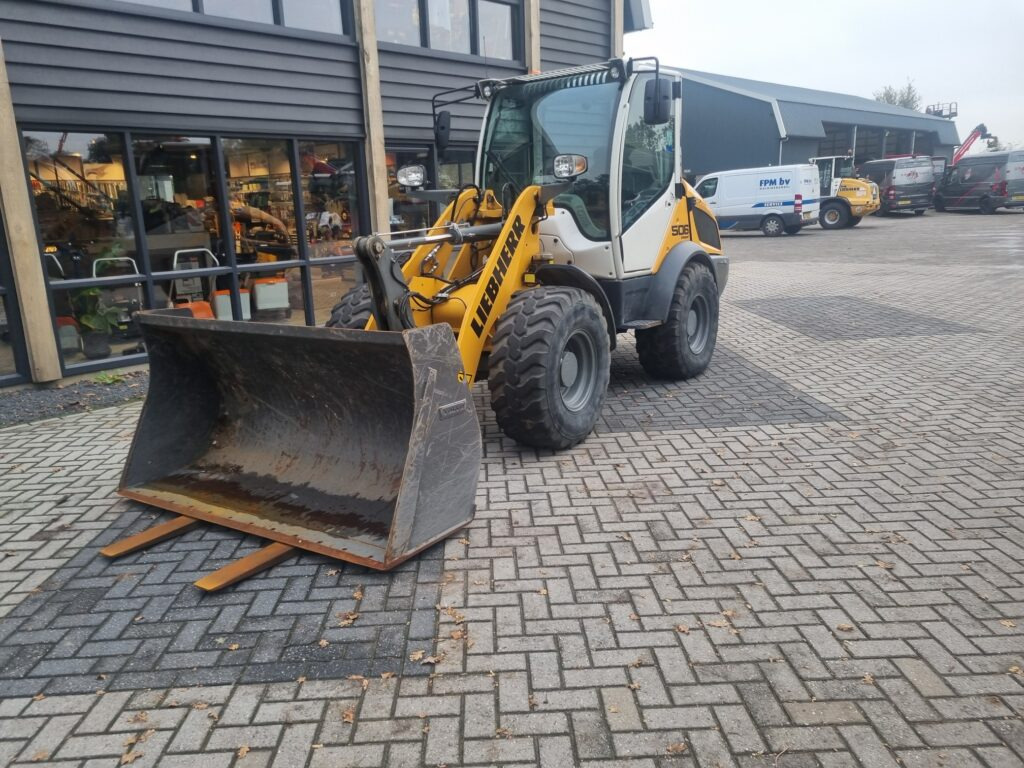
point(834, 216)
point(855, 220)
point(682, 347)
point(549, 366)
point(772, 226)
point(794, 230)
point(985, 206)
point(353, 310)
point(919, 212)
point(939, 203)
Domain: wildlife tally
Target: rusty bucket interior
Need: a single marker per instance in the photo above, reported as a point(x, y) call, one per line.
point(359, 445)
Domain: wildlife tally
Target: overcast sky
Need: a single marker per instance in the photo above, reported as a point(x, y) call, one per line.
point(966, 51)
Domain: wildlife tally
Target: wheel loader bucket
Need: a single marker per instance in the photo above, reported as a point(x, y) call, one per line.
point(359, 445)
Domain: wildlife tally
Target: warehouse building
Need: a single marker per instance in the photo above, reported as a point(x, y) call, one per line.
point(731, 122)
point(178, 150)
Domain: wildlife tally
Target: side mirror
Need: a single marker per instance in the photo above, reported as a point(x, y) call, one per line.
point(412, 176)
point(658, 101)
point(442, 129)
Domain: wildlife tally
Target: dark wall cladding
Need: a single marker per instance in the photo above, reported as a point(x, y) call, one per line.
point(723, 130)
point(83, 64)
point(574, 32)
point(409, 80)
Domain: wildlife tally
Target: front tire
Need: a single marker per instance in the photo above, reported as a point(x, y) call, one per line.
point(354, 309)
point(939, 203)
point(682, 346)
point(772, 226)
point(549, 366)
point(986, 206)
point(834, 216)
point(855, 220)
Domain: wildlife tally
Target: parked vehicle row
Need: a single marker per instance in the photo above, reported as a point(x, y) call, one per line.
point(782, 199)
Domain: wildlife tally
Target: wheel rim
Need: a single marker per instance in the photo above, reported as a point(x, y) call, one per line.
point(697, 325)
point(772, 225)
point(832, 216)
point(576, 371)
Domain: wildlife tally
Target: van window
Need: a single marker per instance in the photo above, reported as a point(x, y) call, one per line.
point(708, 187)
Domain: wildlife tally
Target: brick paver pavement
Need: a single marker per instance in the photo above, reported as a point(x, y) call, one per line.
point(810, 556)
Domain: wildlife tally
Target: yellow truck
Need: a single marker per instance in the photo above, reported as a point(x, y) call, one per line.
point(845, 199)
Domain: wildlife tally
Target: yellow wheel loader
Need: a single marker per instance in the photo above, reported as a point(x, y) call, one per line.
point(845, 199)
point(360, 440)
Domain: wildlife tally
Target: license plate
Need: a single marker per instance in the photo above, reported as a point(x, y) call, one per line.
point(1018, 197)
point(905, 202)
point(808, 215)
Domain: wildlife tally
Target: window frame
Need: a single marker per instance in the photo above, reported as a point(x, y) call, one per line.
point(518, 43)
point(148, 278)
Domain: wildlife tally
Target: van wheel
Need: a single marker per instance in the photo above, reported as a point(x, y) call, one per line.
point(986, 207)
point(773, 226)
point(940, 204)
point(919, 212)
point(834, 216)
point(549, 366)
point(855, 220)
point(794, 230)
point(682, 346)
point(353, 310)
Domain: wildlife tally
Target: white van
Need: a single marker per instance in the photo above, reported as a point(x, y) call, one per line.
point(776, 199)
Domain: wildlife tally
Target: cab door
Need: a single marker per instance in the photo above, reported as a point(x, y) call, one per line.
point(648, 165)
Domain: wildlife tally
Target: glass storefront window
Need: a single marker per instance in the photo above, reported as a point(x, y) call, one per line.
point(178, 191)
point(316, 15)
point(405, 213)
point(81, 200)
point(97, 322)
point(398, 21)
point(261, 199)
point(455, 168)
point(449, 25)
point(495, 30)
point(329, 196)
point(330, 283)
point(244, 10)
point(8, 361)
point(273, 297)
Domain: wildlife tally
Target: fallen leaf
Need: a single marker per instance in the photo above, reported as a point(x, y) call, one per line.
point(358, 594)
point(543, 590)
point(349, 715)
point(347, 619)
point(869, 679)
point(139, 717)
point(333, 572)
point(736, 555)
point(213, 716)
point(498, 732)
point(883, 564)
point(634, 617)
point(753, 518)
point(729, 614)
point(433, 659)
point(199, 705)
point(634, 686)
point(145, 736)
point(638, 662)
point(682, 628)
point(464, 540)
point(301, 679)
point(130, 757)
point(39, 697)
point(531, 701)
point(844, 627)
point(234, 647)
point(854, 435)
point(1016, 670)
point(386, 675)
point(613, 709)
point(718, 483)
point(676, 749)
point(361, 680)
point(458, 634)
point(243, 751)
point(322, 643)
point(416, 655)
point(718, 624)
point(1007, 623)
point(40, 756)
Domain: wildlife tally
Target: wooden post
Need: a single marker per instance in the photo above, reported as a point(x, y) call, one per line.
point(19, 226)
point(531, 14)
point(618, 28)
point(373, 117)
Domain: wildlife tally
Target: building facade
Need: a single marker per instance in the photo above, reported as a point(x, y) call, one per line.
point(224, 154)
point(732, 122)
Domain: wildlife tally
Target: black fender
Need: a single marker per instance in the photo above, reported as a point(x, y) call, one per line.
point(571, 276)
point(664, 281)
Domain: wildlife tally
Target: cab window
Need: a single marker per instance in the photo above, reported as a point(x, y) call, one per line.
point(648, 158)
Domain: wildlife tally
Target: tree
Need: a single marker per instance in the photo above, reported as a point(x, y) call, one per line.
point(906, 97)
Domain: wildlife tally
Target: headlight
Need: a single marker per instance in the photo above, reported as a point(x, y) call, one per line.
point(570, 166)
